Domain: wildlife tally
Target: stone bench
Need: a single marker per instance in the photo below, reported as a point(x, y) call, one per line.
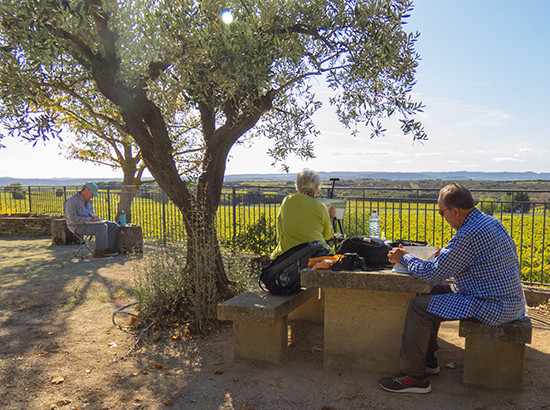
point(494, 356)
point(260, 321)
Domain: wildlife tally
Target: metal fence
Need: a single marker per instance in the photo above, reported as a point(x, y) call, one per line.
point(247, 214)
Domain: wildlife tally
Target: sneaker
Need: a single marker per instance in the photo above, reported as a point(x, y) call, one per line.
point(401, 383)
point(432, 366)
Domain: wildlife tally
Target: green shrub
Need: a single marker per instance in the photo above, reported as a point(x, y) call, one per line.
point(259, 238)
point(167, 289)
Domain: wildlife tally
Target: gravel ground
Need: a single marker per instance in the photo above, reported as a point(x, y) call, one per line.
point(60, 350)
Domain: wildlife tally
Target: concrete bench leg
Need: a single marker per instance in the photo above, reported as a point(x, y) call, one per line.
point(492, 363)
point(260, 341)
point(364, 328)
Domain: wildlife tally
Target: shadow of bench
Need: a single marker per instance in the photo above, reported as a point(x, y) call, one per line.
point(494, 356)
point(260, 321)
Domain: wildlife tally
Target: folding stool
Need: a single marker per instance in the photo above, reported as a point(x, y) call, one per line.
point(85, 241)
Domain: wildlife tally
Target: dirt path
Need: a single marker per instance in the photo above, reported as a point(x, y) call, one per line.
point(59, 349)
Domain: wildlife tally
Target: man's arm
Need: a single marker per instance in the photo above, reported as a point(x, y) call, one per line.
point(73, 213)
point(452, 260)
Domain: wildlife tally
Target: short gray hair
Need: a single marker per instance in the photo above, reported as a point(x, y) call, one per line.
point(456, 196)
point(306, 181)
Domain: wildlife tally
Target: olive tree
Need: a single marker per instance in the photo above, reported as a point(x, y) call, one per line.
point(245, 78)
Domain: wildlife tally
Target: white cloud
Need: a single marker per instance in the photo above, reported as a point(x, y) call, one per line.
point(428, 154)
point(369, 153)
point(525, 150)
point(507, 159)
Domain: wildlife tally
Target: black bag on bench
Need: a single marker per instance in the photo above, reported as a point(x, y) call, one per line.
point(282, 275)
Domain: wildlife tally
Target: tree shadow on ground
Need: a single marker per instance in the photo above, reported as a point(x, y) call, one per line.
point(301, 382)
point(40, 287)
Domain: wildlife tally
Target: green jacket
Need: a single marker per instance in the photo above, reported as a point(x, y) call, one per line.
point(301, 218)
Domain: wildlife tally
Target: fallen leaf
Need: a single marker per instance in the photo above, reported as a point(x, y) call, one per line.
point(63, 402)
point(166, 373)
point(175, 337)
point(51, 333)
point(58, 380)
point(247, 408)
point(168, 402)
point(145, 372)
point(158, 366)
point(218, 372)
point(235, 379)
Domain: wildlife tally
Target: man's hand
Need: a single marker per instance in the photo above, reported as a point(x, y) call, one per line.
point(396, 254)
point(94, 219)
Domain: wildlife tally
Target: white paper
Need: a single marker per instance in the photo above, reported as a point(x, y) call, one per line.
point(426, 253)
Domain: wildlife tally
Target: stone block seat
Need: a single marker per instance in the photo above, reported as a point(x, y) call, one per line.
point(494, 356)
point(260, 322)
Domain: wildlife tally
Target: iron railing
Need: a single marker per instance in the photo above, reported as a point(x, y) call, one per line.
point(406, 213)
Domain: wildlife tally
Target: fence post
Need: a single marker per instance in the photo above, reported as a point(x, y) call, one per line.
point(234, 214)
point(109, 204)
point(30, 201)
point(163, 196)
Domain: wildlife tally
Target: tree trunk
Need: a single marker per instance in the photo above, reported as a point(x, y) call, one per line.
point(129, 185)
point(127, 196)
point(203, 251)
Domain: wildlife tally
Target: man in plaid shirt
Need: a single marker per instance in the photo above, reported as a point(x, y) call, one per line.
point(482, 260)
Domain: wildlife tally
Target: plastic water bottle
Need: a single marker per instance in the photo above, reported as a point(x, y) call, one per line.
point(284, 279)
point(122, 218)
point(374, 225)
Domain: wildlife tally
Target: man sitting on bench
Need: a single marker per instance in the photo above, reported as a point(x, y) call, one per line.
point(482, 259)
point(82, 220)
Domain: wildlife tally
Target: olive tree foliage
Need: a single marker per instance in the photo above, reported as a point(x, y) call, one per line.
point(99, 137)
point(250, 78)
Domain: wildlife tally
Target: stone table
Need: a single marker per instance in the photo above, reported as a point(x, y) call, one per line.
point(364, 316)
point(130, 239)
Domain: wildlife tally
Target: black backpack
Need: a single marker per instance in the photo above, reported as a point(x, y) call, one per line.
point(373, 250)
point(282, 275)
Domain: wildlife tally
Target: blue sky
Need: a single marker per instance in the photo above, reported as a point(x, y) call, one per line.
point(484, 81)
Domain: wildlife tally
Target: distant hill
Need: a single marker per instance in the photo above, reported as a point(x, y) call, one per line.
point(53, 181)
point(396, 176)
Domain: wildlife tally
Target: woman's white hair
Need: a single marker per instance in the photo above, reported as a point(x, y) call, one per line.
point(306, 180)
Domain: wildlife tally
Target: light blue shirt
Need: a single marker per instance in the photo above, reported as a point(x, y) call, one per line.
point(482, 259)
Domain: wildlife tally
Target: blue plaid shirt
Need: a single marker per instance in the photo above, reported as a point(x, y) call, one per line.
point(482, 260)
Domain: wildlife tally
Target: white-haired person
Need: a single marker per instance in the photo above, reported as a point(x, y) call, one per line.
point(82, 220)
point(301, 218)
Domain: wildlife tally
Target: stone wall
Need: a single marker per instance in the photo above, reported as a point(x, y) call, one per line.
point(26, 224)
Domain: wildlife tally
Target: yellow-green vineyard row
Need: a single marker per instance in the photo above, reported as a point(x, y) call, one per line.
point(419, 222)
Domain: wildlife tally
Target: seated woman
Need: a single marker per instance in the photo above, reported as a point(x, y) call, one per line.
point(301, 218)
